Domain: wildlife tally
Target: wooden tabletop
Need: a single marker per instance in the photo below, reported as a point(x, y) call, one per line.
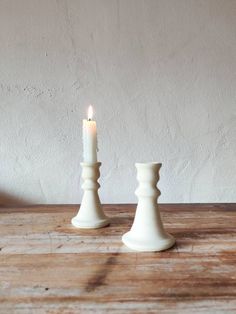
point(48, 266)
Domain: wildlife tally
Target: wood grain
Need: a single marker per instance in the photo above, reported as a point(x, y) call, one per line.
point(48, 266)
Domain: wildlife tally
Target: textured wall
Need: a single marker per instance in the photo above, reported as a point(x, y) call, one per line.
point(161, 76)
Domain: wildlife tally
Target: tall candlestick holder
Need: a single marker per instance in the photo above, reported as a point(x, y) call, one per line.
point(147, 232)
point(90, 214)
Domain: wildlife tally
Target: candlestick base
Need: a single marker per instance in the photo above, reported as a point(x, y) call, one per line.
point(147, 232)
point(153, 244)
point(89, 224)
point(90, 214)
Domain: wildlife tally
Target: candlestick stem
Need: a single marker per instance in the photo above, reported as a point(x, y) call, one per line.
point(90, 214)
point(147, 232)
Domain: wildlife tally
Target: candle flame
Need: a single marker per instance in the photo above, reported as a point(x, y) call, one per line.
point(90, 112)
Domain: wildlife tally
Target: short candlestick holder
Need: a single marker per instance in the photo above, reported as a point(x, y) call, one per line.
point(147, 232)
point(90, 214)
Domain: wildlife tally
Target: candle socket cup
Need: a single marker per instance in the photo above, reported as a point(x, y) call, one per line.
point(147, 232)
point(90, 214)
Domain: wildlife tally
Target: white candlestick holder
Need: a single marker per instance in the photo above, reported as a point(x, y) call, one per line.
point(147, 232)
point(90, 214)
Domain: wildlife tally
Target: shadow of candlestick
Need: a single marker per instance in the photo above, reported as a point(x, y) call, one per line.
point(9, 200)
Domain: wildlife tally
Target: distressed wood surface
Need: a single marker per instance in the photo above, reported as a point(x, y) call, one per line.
point(48, 266)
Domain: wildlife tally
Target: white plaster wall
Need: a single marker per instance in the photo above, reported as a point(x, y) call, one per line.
point(161, 76)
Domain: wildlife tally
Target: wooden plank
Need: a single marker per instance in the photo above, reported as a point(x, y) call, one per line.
point(47, 266)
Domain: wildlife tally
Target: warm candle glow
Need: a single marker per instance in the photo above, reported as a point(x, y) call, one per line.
point(90, 113)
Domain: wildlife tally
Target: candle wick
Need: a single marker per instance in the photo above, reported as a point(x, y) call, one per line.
point(89, 119)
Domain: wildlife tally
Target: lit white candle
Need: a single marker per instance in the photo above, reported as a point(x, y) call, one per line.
point(90, 138)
